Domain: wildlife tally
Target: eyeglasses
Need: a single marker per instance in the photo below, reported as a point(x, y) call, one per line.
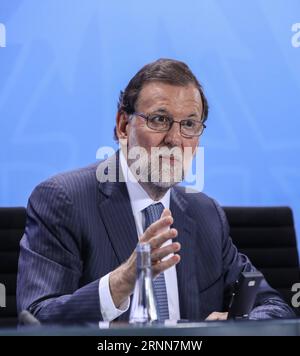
point(163, 123)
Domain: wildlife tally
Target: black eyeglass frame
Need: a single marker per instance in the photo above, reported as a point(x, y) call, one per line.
point(146, 117)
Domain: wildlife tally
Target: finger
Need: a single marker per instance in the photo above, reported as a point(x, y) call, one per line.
point(217, 316)
point(160, 253)
point(224, 316)
point(166, 212)
point(156, 228)
point(212, 316)
point(164, 265)
point(159, 240)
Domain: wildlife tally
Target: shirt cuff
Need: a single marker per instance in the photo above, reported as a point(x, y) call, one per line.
point(108, 309)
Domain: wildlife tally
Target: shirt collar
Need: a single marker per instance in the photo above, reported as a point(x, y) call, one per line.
point(139, 198)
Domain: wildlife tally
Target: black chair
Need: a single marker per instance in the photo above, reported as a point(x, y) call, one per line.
point(267, 236)
point(12, 224)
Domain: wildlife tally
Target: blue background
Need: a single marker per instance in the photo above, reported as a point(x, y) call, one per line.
point(65, 62)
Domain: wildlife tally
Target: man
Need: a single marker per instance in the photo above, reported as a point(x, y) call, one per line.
point(77, 258)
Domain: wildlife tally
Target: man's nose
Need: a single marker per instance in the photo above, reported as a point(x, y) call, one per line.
point(173, 136)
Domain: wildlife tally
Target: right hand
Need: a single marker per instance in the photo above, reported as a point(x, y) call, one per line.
point(122, 279)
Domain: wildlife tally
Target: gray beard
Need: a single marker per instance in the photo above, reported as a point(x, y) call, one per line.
point(160, 184)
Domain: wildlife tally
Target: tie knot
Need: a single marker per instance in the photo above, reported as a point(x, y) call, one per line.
point(153, 213)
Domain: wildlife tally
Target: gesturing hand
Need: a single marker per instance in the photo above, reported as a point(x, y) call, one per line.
point(122, 279)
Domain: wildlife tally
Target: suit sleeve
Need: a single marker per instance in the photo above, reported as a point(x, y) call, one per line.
point(268, 303)
point(50, 263)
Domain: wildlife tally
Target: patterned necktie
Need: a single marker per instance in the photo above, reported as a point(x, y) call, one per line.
point(153, 213)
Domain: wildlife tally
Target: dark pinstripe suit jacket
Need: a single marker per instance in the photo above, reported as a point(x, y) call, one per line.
point(78, 230)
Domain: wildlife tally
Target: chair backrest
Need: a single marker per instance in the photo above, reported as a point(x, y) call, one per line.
point(267, 236)
point(12, 224)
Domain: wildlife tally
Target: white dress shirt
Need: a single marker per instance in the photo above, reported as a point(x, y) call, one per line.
point(139, 200)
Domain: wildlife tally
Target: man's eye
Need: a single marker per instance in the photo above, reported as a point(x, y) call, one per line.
point(189, 123)
point(159, 119)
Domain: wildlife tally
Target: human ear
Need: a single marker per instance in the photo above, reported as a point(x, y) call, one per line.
point(121, 125)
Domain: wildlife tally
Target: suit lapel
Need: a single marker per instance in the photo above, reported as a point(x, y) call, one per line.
point(186, 268)
point(116, 211)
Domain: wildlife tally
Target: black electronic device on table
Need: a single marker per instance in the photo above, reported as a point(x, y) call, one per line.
point(244, 294)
